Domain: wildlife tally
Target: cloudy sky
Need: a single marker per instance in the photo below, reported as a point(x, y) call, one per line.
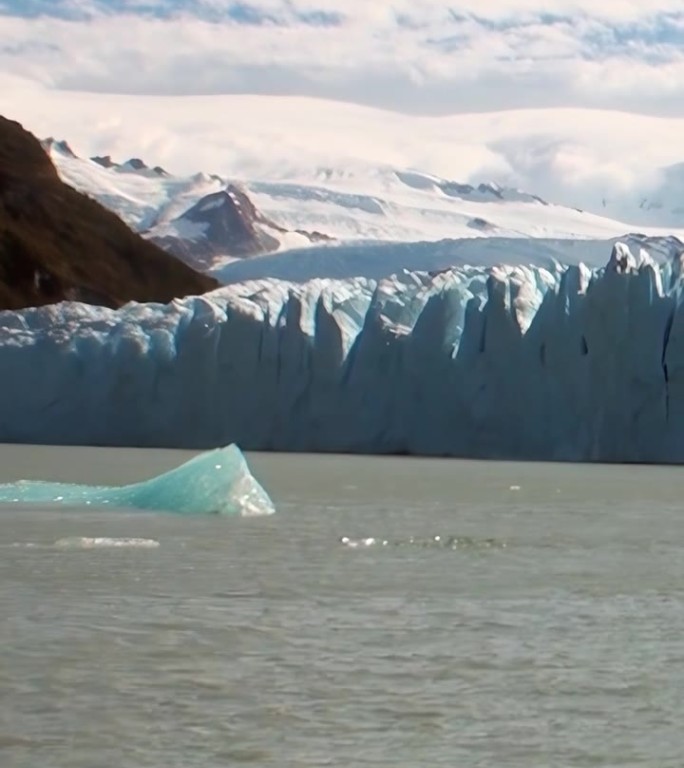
point(478, 82)
point(416, 56)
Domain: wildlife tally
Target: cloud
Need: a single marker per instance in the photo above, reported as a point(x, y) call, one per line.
point(569, 156)
point(502, 90)
point(77, 69)
point(399, 54)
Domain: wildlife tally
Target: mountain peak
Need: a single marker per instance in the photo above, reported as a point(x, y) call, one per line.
point(135, 164)
point(54, 145)
point(104, 160)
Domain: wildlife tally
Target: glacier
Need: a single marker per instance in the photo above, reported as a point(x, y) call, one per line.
point(510, 362)
point(215, 482)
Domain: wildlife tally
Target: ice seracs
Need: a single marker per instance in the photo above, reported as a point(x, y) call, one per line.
point(508, 362)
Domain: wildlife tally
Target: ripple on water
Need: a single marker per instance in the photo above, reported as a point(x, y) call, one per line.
point(105, 542)
point(430, 542)
point(88, 542)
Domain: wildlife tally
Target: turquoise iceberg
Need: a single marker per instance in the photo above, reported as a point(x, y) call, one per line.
point(215, 482)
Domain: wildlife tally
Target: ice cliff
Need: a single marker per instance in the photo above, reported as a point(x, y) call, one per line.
point(515, 362)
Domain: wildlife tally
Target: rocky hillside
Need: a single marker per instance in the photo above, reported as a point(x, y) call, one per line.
point(204, 220)
point(57, 244)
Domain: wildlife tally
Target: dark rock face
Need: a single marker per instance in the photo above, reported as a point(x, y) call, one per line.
point(225, 223)
point(57, 244)
point(231, 219)
point(134, 164)
point(222, 223)
point(104, 160)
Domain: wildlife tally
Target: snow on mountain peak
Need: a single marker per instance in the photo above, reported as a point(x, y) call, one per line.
point(53, 147)
point(208, 220)
point(104, 160)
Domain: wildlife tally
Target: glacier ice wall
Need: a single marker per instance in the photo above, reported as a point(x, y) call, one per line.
point(509, 362)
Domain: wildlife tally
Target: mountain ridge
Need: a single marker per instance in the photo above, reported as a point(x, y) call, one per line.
point(180, 214)
point(333, 206)
point(57, 244)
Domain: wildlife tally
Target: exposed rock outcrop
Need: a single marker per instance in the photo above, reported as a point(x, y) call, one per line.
point(57, 244)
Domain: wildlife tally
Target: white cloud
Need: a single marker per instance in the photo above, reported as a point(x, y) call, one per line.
point(77, 78)
point(570, 156)
point(400, 54)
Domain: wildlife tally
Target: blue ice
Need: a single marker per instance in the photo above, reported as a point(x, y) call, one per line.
point(215, 482)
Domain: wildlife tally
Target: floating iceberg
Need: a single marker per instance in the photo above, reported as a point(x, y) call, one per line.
point(215, 482)
point(515, 362)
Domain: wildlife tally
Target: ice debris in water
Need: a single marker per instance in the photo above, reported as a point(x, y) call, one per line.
point(217, 481)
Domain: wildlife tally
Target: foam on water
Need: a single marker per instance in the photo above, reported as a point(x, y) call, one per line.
point(215, 482)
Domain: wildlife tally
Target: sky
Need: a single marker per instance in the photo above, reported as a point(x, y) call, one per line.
point(575, 100)
point(425, 57)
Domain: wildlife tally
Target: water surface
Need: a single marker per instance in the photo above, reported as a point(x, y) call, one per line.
point(394, 612)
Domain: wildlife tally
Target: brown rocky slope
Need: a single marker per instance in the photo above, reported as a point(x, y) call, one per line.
point(57, 244)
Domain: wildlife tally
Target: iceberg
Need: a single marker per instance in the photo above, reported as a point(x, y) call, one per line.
point(509, 362)
point(215, 482)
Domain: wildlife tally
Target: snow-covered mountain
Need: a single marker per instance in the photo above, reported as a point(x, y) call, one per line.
point(204, 220)
point(659, 205)
point(601, 161)
point(209, 220)
point(407, 205)
point(223, 226)
point(424, 305)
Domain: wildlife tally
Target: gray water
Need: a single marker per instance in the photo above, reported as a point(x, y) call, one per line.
point(504, 615)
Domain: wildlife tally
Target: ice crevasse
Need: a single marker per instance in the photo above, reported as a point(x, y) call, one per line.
point(507, 362)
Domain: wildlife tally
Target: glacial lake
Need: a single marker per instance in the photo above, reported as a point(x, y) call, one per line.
point(394, 613)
